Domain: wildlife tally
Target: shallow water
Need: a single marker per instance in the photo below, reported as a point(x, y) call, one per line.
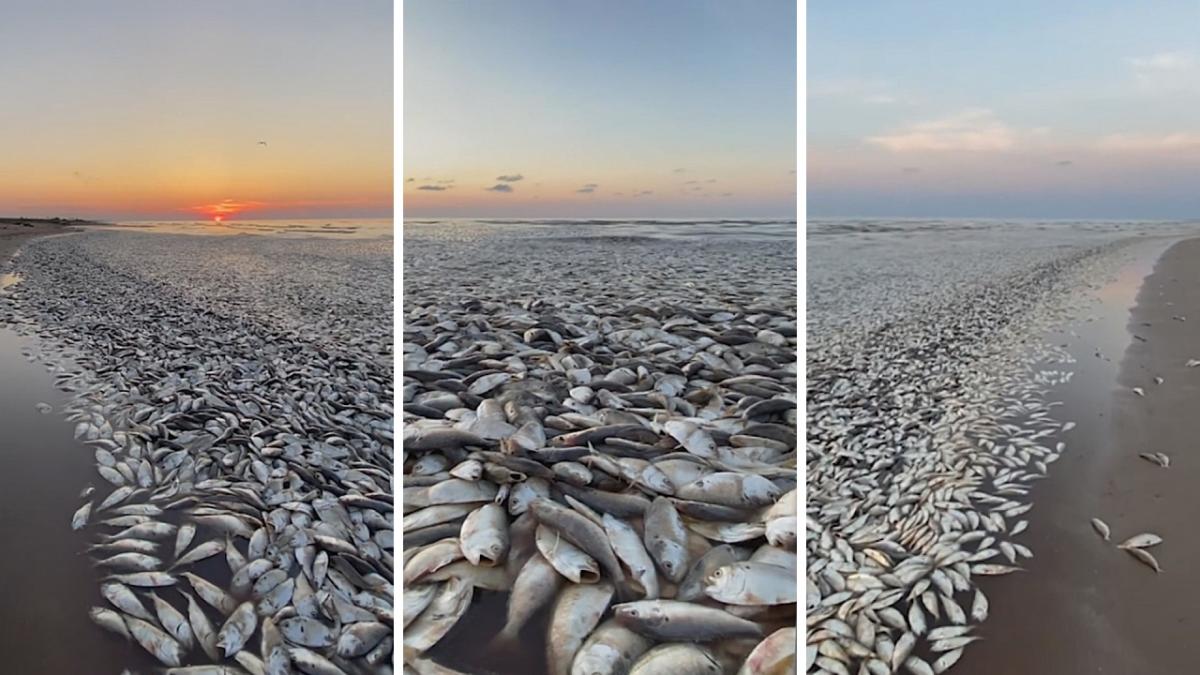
point(46, 582)
point(339, 228)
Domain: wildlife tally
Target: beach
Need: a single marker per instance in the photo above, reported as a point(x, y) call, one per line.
point(230, 400)
point(586, 388)
point(1029, 351)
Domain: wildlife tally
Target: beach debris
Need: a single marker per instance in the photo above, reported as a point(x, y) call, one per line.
point(1139, 391)
point(1101, 528)
point(44, 408)
point(1158, 379)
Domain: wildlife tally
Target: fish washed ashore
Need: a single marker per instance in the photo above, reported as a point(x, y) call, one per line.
point(237, 394)
point(933, 413)
point(600, 447)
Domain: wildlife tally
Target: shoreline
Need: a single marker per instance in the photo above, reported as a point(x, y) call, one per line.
point(14, 232)
point(1121, 616)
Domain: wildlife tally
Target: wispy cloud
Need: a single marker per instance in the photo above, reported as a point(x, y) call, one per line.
point(510, 179)
point(643, 193)
point(1169, 71)
point(1143, 142)
point(911, 169)
point(500, 187)
point(976, 130)
point(1064, 162)
point(433, 188)
point(588, 188)
point(679, 171)
point(1165, 61)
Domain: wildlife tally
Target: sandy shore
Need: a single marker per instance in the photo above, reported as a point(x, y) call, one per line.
point(16, 231)
point(1119, 615)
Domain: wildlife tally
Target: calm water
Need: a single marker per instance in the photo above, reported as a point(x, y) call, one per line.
point(359, 228)
point(46, 581)
point(753, 228)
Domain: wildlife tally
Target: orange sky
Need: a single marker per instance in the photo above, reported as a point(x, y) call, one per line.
point(154, 110)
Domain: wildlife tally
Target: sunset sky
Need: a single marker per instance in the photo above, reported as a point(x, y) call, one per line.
point(150, 109)
point(671, 108)
point(1014, 109)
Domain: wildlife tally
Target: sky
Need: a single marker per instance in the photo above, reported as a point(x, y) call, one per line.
point(145, 109)
point(628, 108)
point(1013, 109)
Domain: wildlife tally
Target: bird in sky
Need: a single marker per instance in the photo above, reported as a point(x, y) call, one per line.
point(263, 143)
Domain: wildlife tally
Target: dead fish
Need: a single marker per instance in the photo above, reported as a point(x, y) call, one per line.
point(536, 585)
point(1101, 528)
point(162, 646)
point(1143, 540)
point(775, 654)
point(80, 518)
point(668, 620)
point(571, 562)
point(484, 535)
point(611, 649)
point(1139, 391)
point(172, 620)
point(202, 628)
point(677, 659)
point(361, 637)
point(109, 620)
point(1145, 557)
point(238, 628)
point(575, 615)
point(443, 612)
point(313, 663)
point(752, 583)
point(1156, 458)
point(666, 539)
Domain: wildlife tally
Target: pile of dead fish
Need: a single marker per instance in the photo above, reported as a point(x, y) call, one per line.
point(237, 394)
point(926, 433)
point(614, 448)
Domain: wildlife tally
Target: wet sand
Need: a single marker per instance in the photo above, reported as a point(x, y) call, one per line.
point(46, 581)
point(14, 232)
point(1082, 605)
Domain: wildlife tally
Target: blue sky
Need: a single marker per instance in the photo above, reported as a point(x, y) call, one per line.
point(1015, 109)
point(665, 108)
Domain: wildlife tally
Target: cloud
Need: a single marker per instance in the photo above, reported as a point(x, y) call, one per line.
point(643, 193)
point(1164, 61)
point(975, 130)
point(500, 187)
point(445, 182)
point(1064, 162)
point(510, 179)
point(679, 171)
point(690, 182)
point(1140, 142)
point(410, 180)
point(588, 189)
point(711, 180)
point(434, 188)
point(726, 194)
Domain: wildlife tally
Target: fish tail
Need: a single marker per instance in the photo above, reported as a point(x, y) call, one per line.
point(504, 644)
